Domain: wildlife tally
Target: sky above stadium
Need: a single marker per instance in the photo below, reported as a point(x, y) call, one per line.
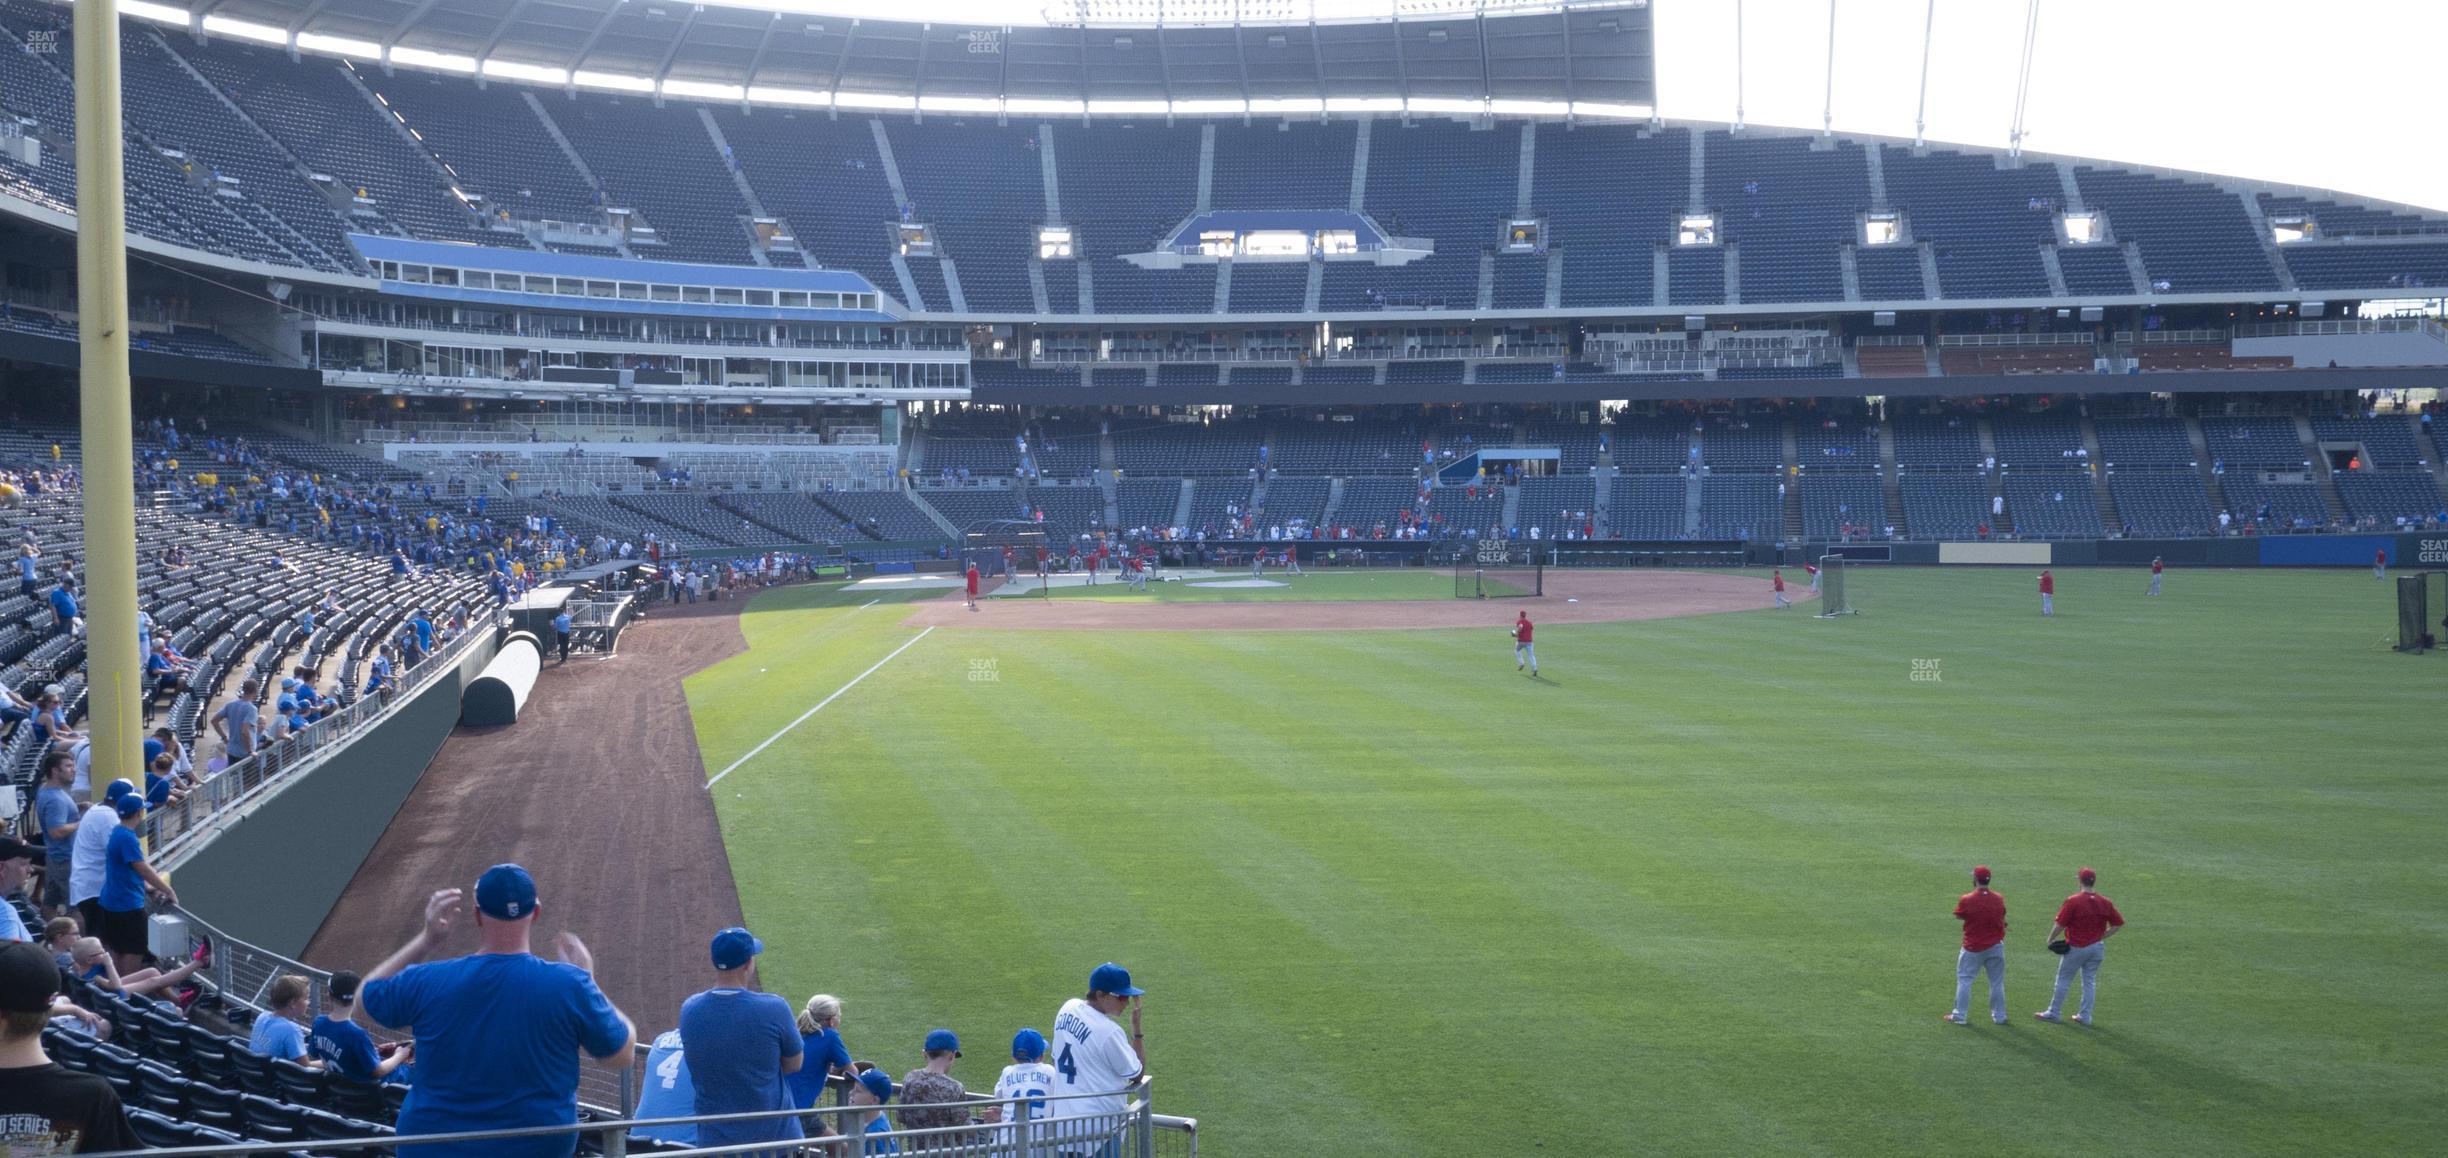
point(2274, 92)
point(2252, 88)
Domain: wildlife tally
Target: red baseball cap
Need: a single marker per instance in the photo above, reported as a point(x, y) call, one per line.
point(2087, 875)
point(1980, 874)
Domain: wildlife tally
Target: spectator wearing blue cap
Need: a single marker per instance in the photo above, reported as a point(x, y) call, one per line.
point(343, 1045)
point(824, 1054)
point(1025, 1083)
point(1092, 1055)
point(125, 876)
point(740, 1045)
point(931, 1098)
point(88, 849)
point(874, 1088)
point(499, 1031)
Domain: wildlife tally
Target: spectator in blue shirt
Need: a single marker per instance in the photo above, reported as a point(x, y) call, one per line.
point(667, 1091)
point(125, 873)
point(874, 1088)
point(29, 570)
point(741, 1044)
point(55, 809)
point(235, 723)
point(343, 1046)
point(64, 605)
point(277, 1033)
point(825, 1055)
point(561, 633)
point(499, 1030)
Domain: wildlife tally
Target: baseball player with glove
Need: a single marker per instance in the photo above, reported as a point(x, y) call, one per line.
point(2084, 923)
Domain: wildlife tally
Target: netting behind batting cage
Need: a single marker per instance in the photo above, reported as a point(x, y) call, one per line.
point(1832, 601)
point(1007, 550)
point(2415, 602)
point(1500, 569)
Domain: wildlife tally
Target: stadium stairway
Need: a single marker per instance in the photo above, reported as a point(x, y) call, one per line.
point(1999, 524)
point(2109, 516)
point(1891, 481)
point(1188, 500)
point(1512, 506)
point(1691, 501)
point(2201, 461)
point(918, 499)
point(2322, 472)
point(1790, 470)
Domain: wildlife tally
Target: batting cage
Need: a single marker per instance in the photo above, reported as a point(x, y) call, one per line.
point(1832, 602)
point(1015, 550)
point(1500, 569)
point(2414, 603)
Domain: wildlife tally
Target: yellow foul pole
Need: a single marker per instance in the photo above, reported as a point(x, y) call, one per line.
point(109, 603)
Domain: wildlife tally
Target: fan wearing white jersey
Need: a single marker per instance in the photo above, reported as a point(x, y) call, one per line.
point(1092, 1055)
point(1028, 1078)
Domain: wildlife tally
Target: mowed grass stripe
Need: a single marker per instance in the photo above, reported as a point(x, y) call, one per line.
point(1690, 898)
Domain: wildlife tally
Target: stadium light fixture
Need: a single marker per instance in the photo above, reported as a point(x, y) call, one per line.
point(534, 73)
point(1446, 106)
point(158, 13)
point(1128, 108)
point(440, 61)
point(959, 104)
point(246, 30)
point(771, 94)
point(1288, 105)
point(1210, 108)
point(1519, 108)
point(1041, 107)
point(703, 90)
point(609, 81)
point(338, 46)
point(873, 100)
point(1364, 104)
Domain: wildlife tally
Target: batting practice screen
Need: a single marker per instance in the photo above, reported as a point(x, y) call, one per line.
point(1499, 569)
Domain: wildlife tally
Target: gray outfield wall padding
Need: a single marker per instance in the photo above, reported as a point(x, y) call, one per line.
point(496, 694)
point(270, 878)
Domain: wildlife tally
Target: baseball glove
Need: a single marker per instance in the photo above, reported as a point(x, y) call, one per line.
point(2060, 948)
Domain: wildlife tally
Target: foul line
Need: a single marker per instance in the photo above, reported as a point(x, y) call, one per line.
point(820, 706)
point(873, 602)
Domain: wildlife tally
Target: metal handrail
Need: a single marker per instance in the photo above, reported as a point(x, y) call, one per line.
point(1136, 1121)
point(174, 832)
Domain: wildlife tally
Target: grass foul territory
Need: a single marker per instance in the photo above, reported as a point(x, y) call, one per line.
point(1688, 894)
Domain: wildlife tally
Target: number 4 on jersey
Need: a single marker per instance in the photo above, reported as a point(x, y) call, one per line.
point(1063, 1066)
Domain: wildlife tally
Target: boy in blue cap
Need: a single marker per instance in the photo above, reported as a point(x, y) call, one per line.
point(1028, 1077)
point(740, 1043)
point(874, 1088)
point(499, 1031)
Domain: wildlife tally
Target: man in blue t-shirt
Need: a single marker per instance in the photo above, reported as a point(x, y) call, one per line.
point(561, 633)
point(498, 1032)
point(125, 873)
point(64, 605)
point(345, 1047)
point(741, 1043)
point(55, 809)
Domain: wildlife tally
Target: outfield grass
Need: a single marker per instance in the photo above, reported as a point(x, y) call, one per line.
point(1319, 585)
point(1688, 895)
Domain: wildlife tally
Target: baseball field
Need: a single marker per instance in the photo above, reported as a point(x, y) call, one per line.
point(1687, 893)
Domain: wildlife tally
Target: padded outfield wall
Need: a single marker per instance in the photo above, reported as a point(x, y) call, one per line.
point(269, 878)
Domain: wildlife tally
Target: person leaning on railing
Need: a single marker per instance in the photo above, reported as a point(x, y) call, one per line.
point(498, 1032)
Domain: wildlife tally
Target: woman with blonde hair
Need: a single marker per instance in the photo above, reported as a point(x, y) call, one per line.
point(820, 1035)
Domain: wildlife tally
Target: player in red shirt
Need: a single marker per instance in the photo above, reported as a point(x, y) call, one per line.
point(2048, 591)
point(1812, 570)
point(1523, 653)
point(1983, 914)
point(972, 578)
point(2156, 568)
point(1778, 579)
point(2086, 920)
point(2380, 564)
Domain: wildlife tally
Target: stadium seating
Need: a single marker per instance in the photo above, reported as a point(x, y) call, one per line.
point(2274, 505)
point(2050, 504)
point(1979, 221)
point(1557, 506)
point(1788, 207)
point(2389, 442)
point(2193, 237)
point(1450, 182)
point(2095, 269)
point(494, 144)
point(1744, 444)
point(1741, 506)
point(2161, 502)
point(659, 161)
point(1226, 449)
point(2126, 443)
point(2255, 440)
point(1123, 185)
point(979, 186)
point(890, 515)
point(1832, 502)
point(1609, 194)
point(2385, 496)
point(824, 177)
point(1296, 500)
point(1152, 502)
point(1945, 504)
point(1890, 273)
point(1646, 507)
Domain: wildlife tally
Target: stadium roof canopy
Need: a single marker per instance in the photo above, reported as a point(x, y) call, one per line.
point(1135, 57)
